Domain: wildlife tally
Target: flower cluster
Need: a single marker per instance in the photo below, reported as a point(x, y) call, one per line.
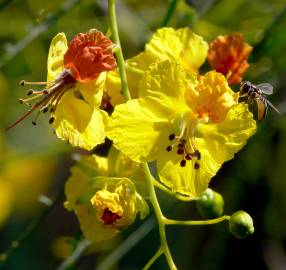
point(187, 122)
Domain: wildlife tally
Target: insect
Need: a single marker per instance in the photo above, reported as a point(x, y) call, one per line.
point(257, 93)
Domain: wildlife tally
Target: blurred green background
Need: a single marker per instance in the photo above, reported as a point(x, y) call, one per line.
point(34, 162)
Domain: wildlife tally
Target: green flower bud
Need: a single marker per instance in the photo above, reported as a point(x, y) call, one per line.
point(241, 224)
point(210, 204)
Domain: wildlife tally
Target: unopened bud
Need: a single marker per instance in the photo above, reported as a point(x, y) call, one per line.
point(210, 204)
point(241, 224)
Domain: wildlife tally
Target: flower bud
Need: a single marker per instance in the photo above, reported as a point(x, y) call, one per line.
point(241, 224)
point(210, 204)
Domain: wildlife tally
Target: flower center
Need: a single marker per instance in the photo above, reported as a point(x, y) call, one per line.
point(109, 217)
point(47, 98)
point(206, 115)
point(183, 142)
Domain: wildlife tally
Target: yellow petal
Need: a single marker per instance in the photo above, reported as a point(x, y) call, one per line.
point(58, 48)
point(78, 118)
point(163, 88)
point(211, 97)
point(140, 128)
point(135, 68)
point(226, 138)
point(181, 46)
point(217, 143)
point(78, 185)
point(137, 131)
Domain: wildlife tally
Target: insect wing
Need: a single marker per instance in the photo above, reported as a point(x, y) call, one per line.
point(266, 88)
point(261, 109)
point(272, 106)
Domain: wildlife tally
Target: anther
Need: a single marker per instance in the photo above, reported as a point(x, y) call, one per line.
point(180, 145)
point(45, 109)
point(22, 82)
point(45, 91)
point(21, 101)
point(169, 148)
point(188, 156)
point(52, 119)
point(34, 123)
point(171, 137)
point(30, 92)
point(197, 154)
point(180, 151)
point(183, 163)
point(197, 166)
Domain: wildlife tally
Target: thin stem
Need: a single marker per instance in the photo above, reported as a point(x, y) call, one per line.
point(196, 222)
point(4, 257)
point(153, 259)
point(161, 219)
point(131, 241)
point(170, 13)
point(127, 96)
point(119, 54)
point(80, 249)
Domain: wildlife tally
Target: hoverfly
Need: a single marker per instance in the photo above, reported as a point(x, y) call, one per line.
point(257, 93)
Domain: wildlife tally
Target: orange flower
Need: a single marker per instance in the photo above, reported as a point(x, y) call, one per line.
point(88, 55)
point(228, 55)
point(70, 68)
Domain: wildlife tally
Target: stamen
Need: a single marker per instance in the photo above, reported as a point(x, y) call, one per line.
point(183, 163)
point(44, 109)
point(21, 100)
point(172, 137)
point(197, 154)
point(180, 151)
point(30, 92)
point(36, 118)
point(169, 148)
point(188, 156)
point(52, 119)
point(197, 166)
point(23, 82)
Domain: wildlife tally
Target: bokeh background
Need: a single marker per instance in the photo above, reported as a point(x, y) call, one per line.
point(34, 162)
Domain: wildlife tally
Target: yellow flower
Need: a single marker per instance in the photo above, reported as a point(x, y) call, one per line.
point(181, 46)
point(115, 203)
point(78, 118)
point(189, 125)
point(104, 205)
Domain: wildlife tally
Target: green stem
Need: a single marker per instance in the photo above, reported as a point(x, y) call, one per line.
point(119, 54)
point(70, 260)
point(27, 232)
point(160, 217)
point(196, 222)
point(170, 12)
point(127, 96)
point(153, 259)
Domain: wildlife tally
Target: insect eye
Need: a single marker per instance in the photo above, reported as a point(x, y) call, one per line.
point(246, 87)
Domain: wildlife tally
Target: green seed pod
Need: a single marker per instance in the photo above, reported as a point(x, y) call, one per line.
point(210, 204)
point(241, 224)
